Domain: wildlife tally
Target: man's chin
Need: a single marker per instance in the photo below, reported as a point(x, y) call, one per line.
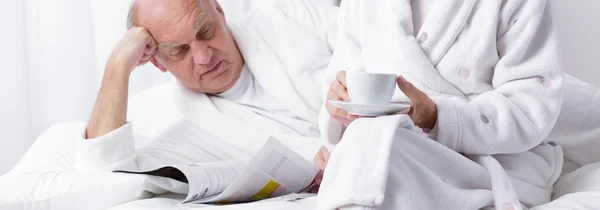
point(217, 86)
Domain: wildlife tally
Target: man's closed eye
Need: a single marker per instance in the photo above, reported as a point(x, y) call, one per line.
point(204, 34)
point(179, 51)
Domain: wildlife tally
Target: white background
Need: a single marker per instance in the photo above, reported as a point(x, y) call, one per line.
point(53, 53)
point(579, 21)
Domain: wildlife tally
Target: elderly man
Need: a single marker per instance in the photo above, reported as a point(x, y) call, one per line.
point(238, 83)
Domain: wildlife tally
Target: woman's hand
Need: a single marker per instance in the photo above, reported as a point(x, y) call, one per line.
point(339, 92)
point(423, 110)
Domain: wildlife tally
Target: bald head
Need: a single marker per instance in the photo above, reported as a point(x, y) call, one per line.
point(132, 14)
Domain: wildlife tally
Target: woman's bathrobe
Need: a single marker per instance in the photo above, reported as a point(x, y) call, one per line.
point(494, 70)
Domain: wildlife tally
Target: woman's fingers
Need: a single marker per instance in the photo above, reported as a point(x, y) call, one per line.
point(335, 111)
point(337, 88)
point(339, 92)
point(406, 111)
point(341, 77)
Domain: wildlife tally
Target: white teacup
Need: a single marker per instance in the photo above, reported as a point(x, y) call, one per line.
point(370, 88)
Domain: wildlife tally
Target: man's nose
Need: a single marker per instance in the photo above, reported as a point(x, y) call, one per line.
point(201, 52)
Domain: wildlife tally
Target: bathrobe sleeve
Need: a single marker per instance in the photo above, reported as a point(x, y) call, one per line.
point(107, 152)
point(117, 151)
point(528, 78)
point(318, 17)
point(180, 142)
point(347, 56)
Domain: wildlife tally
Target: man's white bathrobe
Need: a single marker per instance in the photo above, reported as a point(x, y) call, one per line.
point(286, 45)
point(270, 40)
point(494, 70)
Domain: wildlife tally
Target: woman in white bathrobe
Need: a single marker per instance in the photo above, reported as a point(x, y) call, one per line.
point(485, 79)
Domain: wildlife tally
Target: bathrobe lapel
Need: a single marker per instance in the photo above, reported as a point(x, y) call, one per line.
point(417, 57)
point(442, 26)
point(213, 115)
point(270, 72)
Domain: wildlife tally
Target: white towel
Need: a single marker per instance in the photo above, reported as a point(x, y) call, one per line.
point(388, 163)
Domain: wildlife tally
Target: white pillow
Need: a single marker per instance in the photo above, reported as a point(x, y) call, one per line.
point(44, 178)
point(577, 130)
point(64, 190)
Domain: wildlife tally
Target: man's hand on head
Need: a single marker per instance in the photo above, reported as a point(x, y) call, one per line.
point(136, 48)
point(110, 112)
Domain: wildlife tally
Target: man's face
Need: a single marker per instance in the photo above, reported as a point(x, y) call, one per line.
point(194, 43)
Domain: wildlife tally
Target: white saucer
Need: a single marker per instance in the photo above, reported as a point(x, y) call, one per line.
point(370, 110)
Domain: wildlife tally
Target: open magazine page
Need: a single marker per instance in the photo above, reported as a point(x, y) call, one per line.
point(204, 179)
point(275, 171)
point(209, 181)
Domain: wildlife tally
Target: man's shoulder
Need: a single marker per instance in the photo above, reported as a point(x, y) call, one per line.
point(305, 8)
point(298, 10)
point(313, 15)
point(293, 5)
point(307, 20)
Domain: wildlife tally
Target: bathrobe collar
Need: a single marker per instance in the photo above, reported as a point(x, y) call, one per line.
point(269, 71)
point(419, 55)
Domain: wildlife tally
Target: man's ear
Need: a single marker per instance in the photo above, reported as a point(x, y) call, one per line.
point(158, 65)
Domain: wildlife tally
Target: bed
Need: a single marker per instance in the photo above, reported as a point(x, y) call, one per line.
point(574, 201)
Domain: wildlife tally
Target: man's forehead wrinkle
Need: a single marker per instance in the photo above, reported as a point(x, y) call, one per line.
point(175, 31)
point(189, 12)
point(188, 9)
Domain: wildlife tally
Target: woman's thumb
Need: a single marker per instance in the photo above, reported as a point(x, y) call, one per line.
point(409, 89)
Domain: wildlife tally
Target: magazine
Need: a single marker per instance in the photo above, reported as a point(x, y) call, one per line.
point(274, 171)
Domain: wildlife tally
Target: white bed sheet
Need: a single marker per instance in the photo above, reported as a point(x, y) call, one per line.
point(578, 190)
point(171, 201)
point(574, 201)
